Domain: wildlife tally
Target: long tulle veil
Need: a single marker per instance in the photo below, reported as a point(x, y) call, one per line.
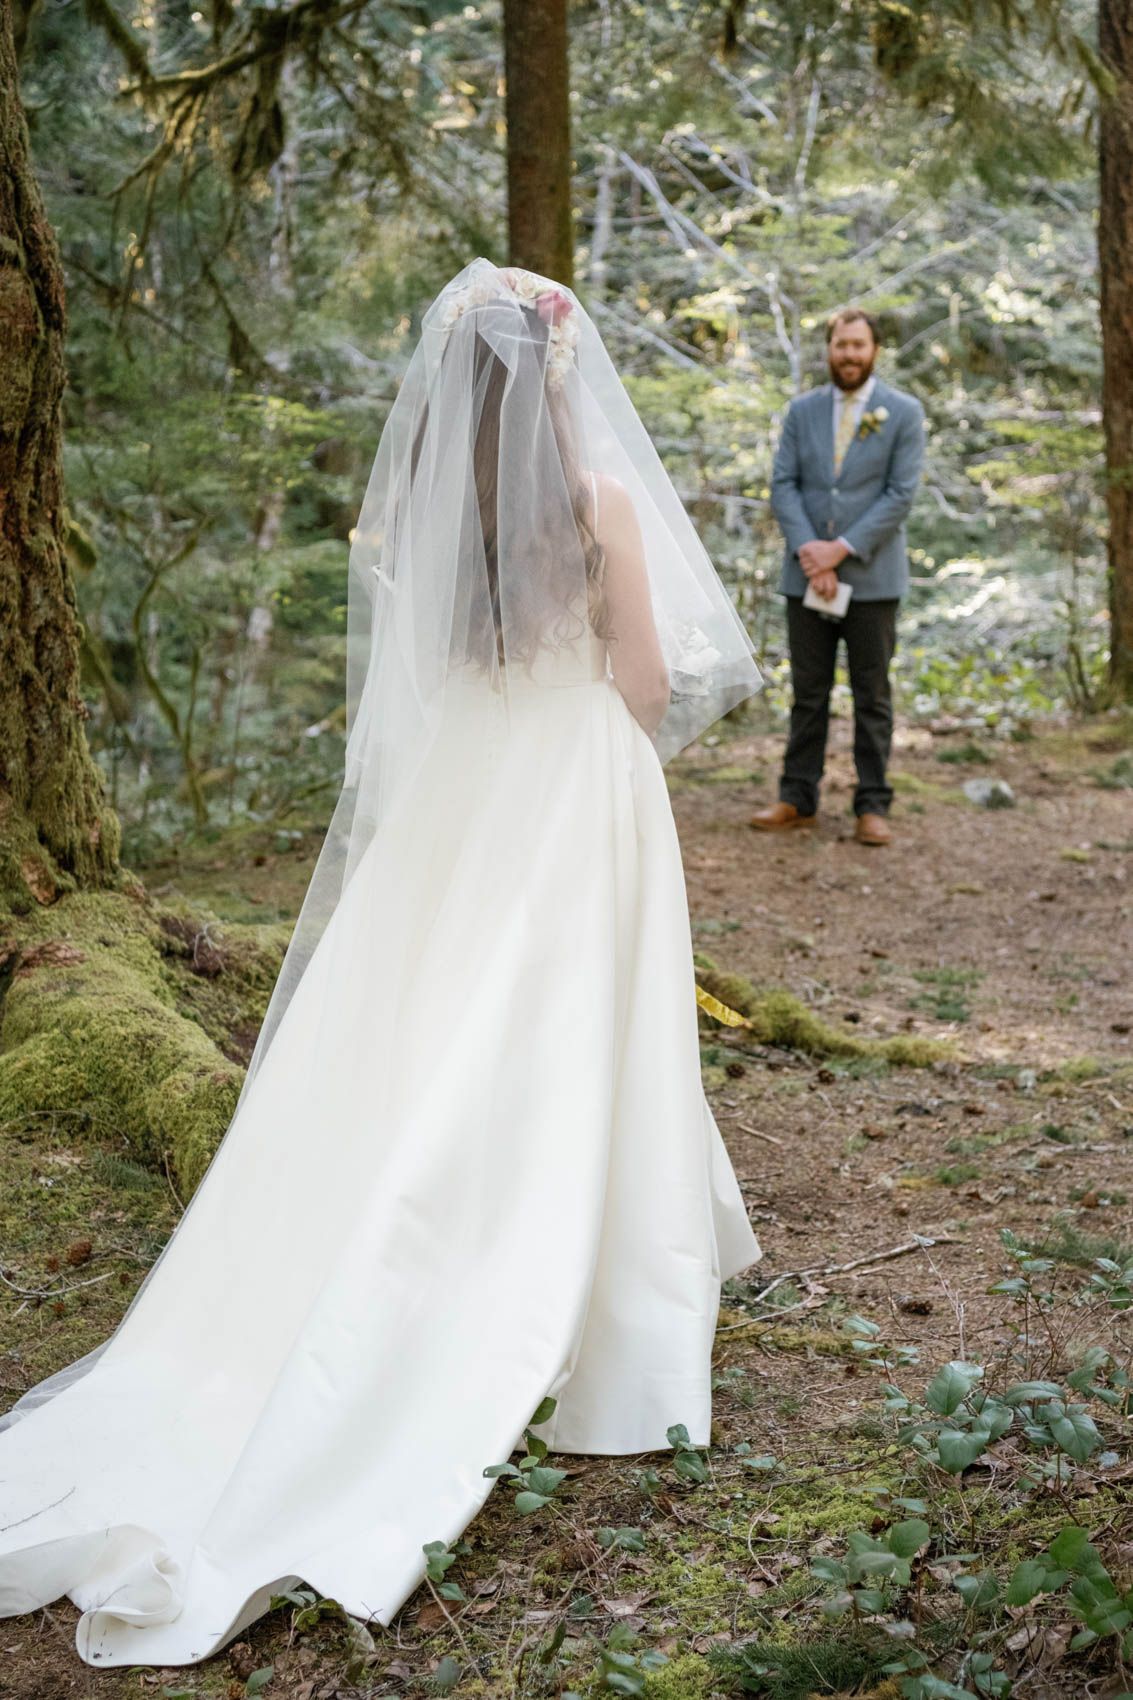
point(472, 559)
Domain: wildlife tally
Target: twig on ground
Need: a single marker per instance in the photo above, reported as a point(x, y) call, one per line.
point(919, 1244)
point(746, 1127)
point(954, 1300)
point(52, 1292)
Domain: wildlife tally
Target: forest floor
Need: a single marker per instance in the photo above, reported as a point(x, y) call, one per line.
point(880, 1196)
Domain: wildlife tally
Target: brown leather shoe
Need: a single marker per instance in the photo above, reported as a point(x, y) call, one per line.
point(779, 817)
point(872, 829)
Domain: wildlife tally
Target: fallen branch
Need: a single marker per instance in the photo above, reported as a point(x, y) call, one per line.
point(920, 1243)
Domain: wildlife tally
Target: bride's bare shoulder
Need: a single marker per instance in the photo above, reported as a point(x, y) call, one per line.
point(615, 504)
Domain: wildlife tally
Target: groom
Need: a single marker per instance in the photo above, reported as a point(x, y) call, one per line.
point(846, 471)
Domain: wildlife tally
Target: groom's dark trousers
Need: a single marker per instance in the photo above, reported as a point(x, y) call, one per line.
point(870, 633)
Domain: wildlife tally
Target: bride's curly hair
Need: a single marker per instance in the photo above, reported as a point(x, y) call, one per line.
point(543, 611)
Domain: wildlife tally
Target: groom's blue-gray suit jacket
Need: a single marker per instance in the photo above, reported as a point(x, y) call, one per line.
point(868, 500)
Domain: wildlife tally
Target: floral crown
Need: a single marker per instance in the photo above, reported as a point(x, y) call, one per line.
point(552, 304)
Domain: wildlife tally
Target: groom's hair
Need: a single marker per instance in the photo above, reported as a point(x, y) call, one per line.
point(849, 315)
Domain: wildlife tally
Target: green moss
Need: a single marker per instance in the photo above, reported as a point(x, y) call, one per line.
point(825, 1505)
point(104, 1023)
point(779, 1018)
point(1080, 1068)
point(926, 790)
point(54, 1193)
point(702, 1593)
point(685, 1677)
point(822, 1342)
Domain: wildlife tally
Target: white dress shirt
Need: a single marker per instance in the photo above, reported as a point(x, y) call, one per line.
point(855, 399)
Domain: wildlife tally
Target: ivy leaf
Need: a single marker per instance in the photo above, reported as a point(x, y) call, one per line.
point(526, 1502)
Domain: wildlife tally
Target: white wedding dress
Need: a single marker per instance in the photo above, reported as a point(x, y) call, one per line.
point(476, 1167)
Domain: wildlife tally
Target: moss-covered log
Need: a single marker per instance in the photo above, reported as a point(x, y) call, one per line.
point(779, 1018)
point(128, 1020)
point(57, 830)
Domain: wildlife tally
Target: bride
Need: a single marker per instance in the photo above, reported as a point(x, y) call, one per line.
point(472, 1169)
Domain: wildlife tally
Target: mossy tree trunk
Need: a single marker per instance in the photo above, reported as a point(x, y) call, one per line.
point(1115, 253)
point(57, 830)
point(536, 68)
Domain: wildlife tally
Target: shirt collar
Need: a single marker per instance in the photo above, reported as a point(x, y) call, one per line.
point(862, 394)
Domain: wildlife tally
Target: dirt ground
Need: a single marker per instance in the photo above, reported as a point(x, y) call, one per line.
point(1007, 932)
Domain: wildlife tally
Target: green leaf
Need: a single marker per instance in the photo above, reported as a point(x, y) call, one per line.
point(1071, 1547)
point(1027, 1392)
point(627, 1539)
point(905, 1539)
point(691, 1467)
point(526, 1502)
point(880, 1564)
point(546, 1409)
point(950, 1386)
point(1076, 1433)
point(929, 1687)
point(1031, 1578)
point(957, 1449)
point(545, 1481)
point(446, 1676)
point(827, 1569)
point(978, 1589)
point(259, 1679)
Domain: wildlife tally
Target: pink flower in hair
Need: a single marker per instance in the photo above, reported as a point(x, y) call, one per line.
point(553, 307)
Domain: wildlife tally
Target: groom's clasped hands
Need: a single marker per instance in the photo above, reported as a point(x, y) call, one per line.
point(820, 562)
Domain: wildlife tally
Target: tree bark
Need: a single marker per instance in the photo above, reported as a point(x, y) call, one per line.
point(57, 830)
point(536, 70)
point(1115, 254)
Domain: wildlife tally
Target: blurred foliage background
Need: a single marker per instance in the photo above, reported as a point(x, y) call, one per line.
point(247, 263)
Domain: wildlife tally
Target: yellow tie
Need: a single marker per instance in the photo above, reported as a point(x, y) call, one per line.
point(845, 429)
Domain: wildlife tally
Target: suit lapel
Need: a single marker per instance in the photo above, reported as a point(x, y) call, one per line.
point(824, 425)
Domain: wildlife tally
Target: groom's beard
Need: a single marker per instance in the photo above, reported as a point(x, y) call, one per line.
point(851, 375)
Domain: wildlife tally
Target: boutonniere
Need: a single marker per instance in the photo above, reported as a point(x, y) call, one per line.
point(872, 421)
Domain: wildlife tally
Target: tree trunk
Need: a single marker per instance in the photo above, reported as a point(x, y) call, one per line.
point(536, 68)
point(1115, 254)
point(57, 830)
